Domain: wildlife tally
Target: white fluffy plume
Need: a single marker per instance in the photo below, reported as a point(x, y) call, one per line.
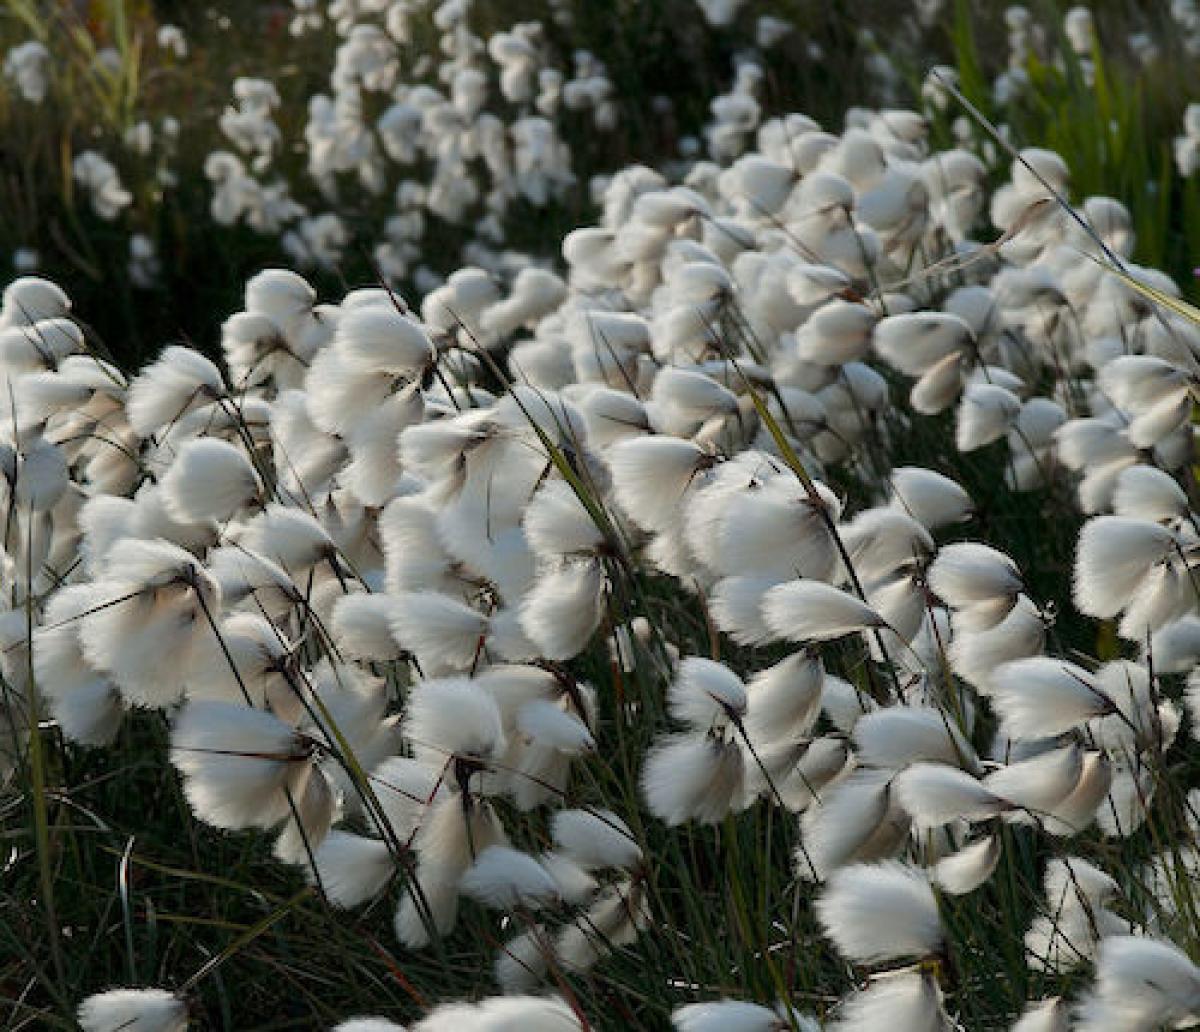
point(813, 611)
point(133, 1010)
point(209, 479)
point(880, 912)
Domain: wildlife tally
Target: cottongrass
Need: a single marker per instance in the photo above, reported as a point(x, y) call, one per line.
point(537, 621)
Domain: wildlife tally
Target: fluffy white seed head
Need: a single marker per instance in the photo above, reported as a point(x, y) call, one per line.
point(842, 820)
point(930, 498)
point(985, 414)
point(444, 633)
point(813, 611)
point(880, 912)
point(964, 871)
point(1140, 983)
point(209, 479)
point(563, 609)
point(784, 701)
point(237, 763)
point(1044, 1016)
point(913, 342)
point(547, 725)
point(504, 878)
point(908, 1001)
point(692, 777)
point(454, 716)
point(1041, 696)
point(1041, 782)
point(368, 1025)
point(1114, 556)
point(652, 475)
point(935, 794)
point(595, 839)
point(181, 379)
point(378, 338)
point(966, 573)
point(727, 1016)
point(1149, 493)
point(133, 1010)
point(893, 737)
point(705, 692)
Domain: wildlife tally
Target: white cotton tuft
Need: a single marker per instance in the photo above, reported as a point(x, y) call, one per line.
point(813, 611)
point(1176, 646)
point(209, 479)
point(895, 736)
point(842, 819)
point(1044, 1016)
point(773, 529)
point(985, 414)
point(651, 477)
point(546, 724)
point(290, 537)
point(1128, 802)
point(914, 342)
point(976, 654)
point(442, 632)
point(692, 777)
point(563, 609)
point(935, 794)
point(966, 573)
point(557, 524)
point(237, 763)
point(454, 716)
point(930, 498)
point(1149, 493)
point(683, 399)
point(378, 338)
point(880, 912)
point(362, 628)
point(1113, 558)
point(1141, 983)
point(705, 692)
point(503, 1014)
point(784, 701)
point(181, 379)
point(522, 962)
point(41, 476)
point(133, 1010)
point(595, 839)
point(280, 293)
point(908, 1001)
point(815, 284)
point(368, 1025)
point(845, 704)
point(406, 788)
point(505, 878)
point(726, 1016)
point(964, 871)
point(352, 868)
point(1041, 696)
point(1041, 782)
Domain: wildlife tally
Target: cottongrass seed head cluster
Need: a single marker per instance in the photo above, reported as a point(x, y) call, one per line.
point(404, 575)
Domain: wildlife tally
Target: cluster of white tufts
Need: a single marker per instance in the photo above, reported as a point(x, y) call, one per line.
point(472, 133)
point(365, 566)
point(461, 135)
